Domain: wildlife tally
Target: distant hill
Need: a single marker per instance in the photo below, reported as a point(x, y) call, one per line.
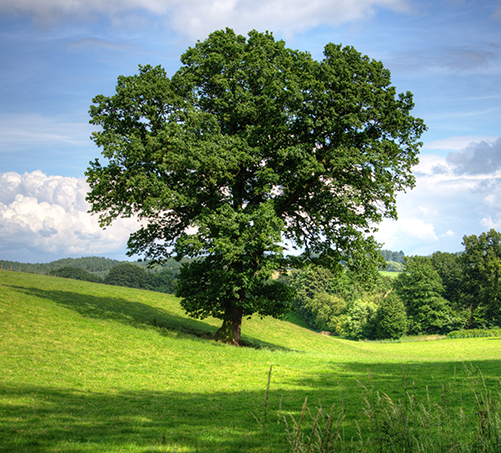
point(101, 266)
point(96, 265)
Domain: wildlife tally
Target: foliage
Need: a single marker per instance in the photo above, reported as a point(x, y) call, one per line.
point(397, 257)
point(247, 145)
point(473, 333)
point(77, 274)
point(163, 281)
point(481, 263)
point(450, 270)
point(96, 265)
point(325, 310)
point(135, 276)
point(421, 289)
point(307, 283)
point(391, 318)
point(129, 275)
point(321, 297)
point(394, 260)
point(360, 318)
point(393, 266)
point(207, 287)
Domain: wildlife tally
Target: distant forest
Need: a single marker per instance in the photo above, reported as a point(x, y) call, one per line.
point(96, 265)
point(100, 266)
point(137, 274)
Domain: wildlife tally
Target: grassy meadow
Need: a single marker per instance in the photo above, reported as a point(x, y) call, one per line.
point(88, 367)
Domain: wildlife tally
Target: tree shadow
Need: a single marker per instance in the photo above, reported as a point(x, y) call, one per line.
point(136, 314)
point(44, 420)
point(47, 419)
point(140, 421)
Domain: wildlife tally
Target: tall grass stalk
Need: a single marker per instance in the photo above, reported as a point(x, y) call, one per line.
point(410, 424)
point(322, 436)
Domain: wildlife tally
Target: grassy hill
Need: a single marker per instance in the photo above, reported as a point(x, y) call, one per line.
point(86, 367)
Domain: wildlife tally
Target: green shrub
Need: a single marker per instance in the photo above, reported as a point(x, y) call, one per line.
point(359, 322)
point(324, 311)
point(472, 333)
point(129, 275)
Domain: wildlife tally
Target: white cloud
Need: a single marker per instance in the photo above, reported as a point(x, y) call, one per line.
point(489, 223)
point(48, 215)
point(196, 18)
point(405, 231)
point(477, 158)
point(449, 234)
point(454, 196)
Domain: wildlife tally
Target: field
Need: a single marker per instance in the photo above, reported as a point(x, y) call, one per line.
point(93, 368)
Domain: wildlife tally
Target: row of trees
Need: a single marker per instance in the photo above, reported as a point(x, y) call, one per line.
point(95, 265)
point(125, 274)
point(347, 304)
point(434, 295)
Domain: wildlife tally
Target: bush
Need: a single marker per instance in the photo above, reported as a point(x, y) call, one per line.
point(324, 311)
point(393, 266)
point(359, 322)
point(163, 282)
point(129, 275)
point(471, 333)
point(421, 289)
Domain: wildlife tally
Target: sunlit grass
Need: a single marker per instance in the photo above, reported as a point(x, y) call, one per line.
point(90, 367)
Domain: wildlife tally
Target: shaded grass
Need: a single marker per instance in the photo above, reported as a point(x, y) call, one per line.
point(88, 367)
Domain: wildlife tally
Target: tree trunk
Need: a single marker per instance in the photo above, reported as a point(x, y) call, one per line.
point(229, 332)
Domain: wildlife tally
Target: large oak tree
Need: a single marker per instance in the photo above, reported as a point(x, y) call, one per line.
point(248, 148)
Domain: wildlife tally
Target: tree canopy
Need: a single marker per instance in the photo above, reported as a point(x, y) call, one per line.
point(249, 148)
point(421, 290)
point(481, 263)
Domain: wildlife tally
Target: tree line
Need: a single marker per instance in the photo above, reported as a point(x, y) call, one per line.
point(140, 274)
point(126, 274)
point(436, 294)
point(96, 265)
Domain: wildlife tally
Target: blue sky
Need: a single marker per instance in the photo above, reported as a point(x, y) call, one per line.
point(55, 56)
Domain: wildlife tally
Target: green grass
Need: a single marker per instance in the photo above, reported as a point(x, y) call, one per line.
point(390, 274)
point(94, 368)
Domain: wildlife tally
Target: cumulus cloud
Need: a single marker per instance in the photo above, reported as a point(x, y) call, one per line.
point(454, 196)
point(48, 215)
point(196, 18)
point(477, 158)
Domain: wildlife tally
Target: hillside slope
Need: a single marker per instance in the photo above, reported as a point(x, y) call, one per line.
point(93, 368)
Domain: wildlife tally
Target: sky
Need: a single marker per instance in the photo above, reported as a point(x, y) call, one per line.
point(56, 55)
